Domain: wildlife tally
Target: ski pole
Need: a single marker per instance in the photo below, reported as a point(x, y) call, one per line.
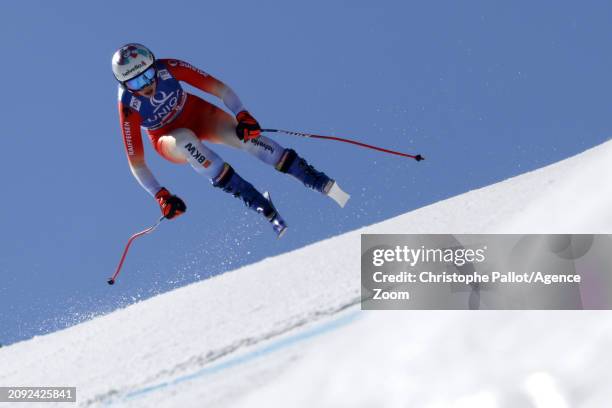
point(417, 157)
point(111, 280)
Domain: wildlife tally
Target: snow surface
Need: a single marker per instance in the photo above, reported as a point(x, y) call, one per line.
point(288, 332)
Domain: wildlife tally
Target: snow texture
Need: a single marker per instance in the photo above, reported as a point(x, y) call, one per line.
point(288, 332)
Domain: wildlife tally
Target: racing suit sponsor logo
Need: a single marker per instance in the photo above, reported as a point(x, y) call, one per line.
point(164, 101)
point(195, 153)
point(135, 103)
point(164, 74)
point(127, 137)
point(263, 145)
point(191, 67)
point(166, 105)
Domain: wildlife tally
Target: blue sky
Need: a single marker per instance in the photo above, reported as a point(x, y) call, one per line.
point(484, 89)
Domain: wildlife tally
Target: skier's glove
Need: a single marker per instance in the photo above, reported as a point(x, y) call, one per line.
point(247, 128)
point(171, 206)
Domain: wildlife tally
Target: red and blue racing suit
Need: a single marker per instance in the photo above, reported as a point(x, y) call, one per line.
point(177, 122)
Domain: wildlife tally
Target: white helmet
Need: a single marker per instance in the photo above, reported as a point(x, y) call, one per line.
point(131, 60)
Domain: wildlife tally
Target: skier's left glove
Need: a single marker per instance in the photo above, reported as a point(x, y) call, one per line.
point(247, 128)
point(171, 206)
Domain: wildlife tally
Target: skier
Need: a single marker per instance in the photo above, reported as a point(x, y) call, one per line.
point(177, 122)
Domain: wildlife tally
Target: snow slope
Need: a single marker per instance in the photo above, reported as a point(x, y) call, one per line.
point(287, 331)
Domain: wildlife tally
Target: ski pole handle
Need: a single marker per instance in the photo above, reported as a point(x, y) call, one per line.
point(152, 228)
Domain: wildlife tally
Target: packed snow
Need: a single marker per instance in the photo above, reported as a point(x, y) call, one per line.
point(288, 331)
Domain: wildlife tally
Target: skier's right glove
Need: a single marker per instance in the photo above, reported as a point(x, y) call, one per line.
point(247, 128)
point(171, 206)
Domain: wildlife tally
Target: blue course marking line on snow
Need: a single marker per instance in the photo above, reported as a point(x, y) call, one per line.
point(268, 349)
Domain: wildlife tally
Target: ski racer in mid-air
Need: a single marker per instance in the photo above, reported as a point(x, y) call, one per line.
point(177, 122)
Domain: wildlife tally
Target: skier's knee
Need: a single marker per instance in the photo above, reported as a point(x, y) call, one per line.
point(166, 146)
point(172, 146)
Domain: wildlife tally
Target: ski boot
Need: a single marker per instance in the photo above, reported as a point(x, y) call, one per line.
point(296, 166)
point(230, 182)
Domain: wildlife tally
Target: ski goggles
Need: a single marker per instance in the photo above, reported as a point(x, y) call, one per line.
point(142, 80)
